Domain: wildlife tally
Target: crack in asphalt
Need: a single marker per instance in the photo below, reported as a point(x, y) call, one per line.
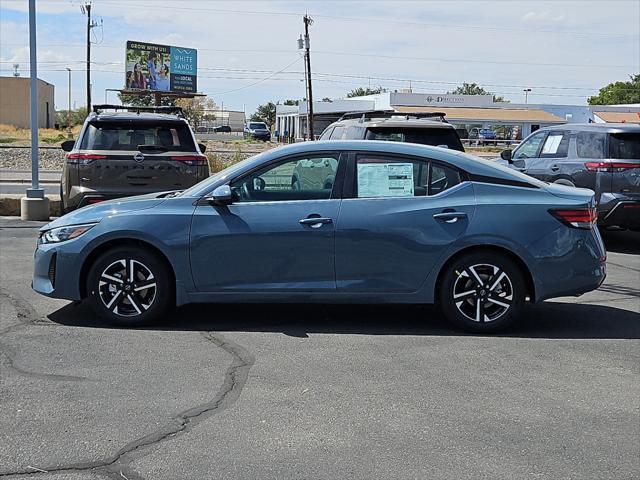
point(9, 354)
point(118, 465)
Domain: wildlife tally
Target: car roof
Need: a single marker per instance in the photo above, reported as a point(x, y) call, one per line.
point(393, 122)
point(133, 117)
point(597, 127)
point(468, 163)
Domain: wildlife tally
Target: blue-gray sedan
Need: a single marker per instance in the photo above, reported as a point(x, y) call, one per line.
point(352, 221)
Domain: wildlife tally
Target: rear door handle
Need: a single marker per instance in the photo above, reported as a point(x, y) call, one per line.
point(555, 168)
point(315, 222)
point(450, 217)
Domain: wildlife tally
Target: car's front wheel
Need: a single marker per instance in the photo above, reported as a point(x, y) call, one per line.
point(482, 292)
point(130, 286)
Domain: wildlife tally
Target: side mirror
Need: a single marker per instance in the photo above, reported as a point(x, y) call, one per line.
point(506, 155)
point(202, 147)
point(67, 145)
point(222, 195)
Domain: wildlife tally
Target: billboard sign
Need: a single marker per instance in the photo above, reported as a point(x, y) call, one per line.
point(161, 68)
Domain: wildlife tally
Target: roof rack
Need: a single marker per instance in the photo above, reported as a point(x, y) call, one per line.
point(370, 114)
point(168, 110)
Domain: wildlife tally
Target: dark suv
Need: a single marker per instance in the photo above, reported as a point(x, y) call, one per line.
point(138, 151)
point(602, 157)
point(423, 128)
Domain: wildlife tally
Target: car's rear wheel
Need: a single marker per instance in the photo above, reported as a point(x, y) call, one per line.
point(482, 292)
point(130, 286)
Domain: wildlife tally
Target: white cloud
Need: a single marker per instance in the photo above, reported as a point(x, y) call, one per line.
point(543, 17)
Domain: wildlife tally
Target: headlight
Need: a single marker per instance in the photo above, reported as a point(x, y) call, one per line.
point(62, 234)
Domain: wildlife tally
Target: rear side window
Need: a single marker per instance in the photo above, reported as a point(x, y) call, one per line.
point(127, 137)
point(393, 177)
point(354, 133)
point(425, 136)
point(590, 144)
point(625, 146)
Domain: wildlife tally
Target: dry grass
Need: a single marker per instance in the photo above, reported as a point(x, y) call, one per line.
point(11, 134)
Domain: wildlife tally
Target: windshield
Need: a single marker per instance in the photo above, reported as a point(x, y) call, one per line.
point(424, 136)
point(257, 126)
point(174, 136)
point(201, 187)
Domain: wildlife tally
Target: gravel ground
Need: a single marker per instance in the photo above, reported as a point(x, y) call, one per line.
point(52, 159)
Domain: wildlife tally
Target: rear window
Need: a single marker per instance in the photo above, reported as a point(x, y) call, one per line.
point(424, 136)
point(625, 145)
point(120, 136)
point(591, 145)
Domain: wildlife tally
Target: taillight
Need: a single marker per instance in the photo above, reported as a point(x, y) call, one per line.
point(190, 159)
point(84, 157)
point(577, 218)
point(609, 166)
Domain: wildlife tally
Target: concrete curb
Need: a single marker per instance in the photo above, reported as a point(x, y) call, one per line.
point(10, 205)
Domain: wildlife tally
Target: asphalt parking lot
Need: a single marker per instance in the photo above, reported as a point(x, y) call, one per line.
point(319, 391)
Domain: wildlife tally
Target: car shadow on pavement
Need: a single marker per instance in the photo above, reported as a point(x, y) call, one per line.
point(545, 320)
point(622, 242)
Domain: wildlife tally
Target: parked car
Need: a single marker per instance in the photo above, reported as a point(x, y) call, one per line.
point(257, 131)
point(124, 153)
point(222, 129)
point(602, 157)
point(402, 223)
point(425, 129)
point(482, 134)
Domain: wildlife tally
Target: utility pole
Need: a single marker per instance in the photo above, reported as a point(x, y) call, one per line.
point(86, 9)
point(308, 21)
point(69, 136)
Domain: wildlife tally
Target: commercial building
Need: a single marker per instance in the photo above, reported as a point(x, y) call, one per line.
point(515, 121)
point(232, 118)
point(15, 106)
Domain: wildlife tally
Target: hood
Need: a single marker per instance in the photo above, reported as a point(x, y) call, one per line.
point(96, 212)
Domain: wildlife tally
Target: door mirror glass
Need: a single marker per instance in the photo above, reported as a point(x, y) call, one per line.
point(222, 195)
point(202, 147)
point(67, 146)
point(506, 155)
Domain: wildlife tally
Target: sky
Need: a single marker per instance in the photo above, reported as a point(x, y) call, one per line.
point(247, 50)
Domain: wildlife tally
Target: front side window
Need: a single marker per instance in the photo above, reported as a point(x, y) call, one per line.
point(122, 136)
point(392, 177)
point(529, 148)
point(308, 178)
point(591, 145)
point(326, 134)
point(556, 145)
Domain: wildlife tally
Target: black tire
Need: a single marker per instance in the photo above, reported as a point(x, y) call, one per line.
point(123, 302)
point(472, 284)
point(63, 211)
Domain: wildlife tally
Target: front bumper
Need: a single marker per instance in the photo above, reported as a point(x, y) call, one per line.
point(56, 272)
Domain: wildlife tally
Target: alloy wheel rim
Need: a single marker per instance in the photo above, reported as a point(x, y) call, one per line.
point(127, 287)
point(483, 292)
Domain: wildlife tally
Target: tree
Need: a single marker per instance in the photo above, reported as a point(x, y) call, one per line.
point(145, 100)
point(197, 109)
point(327, 99)
point(617, 93)
point(265, 113)
point(291, 102)
point(362, 91)
point(475, 89)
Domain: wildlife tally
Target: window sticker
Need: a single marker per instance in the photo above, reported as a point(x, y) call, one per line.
point(385, 180)
point(551, 145)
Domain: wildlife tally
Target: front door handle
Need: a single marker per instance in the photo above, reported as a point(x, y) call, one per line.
point(450, 217)
point(555, 168)
point(315, 222)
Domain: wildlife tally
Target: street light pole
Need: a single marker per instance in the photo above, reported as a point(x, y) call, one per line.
point(526, 95)
point(308, 21)
point(69, 136)
point(34, 206)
